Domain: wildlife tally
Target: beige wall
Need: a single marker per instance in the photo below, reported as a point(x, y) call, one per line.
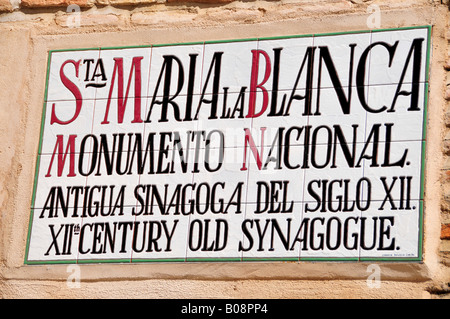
point(25, 38)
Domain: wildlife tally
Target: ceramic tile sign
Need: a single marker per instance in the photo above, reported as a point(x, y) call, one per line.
point(292, 149)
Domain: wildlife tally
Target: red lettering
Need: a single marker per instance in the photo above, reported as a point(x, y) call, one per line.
point(121, 101)
point(59, 147)
point(254, 84)
point(249, 140)
point(72, 88)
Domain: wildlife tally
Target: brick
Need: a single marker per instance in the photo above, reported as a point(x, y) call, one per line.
point(447, 65)
point(447, 144)
point(5, 6)
point(445, 231)
point(447, 117)
point(124, 2)
point(18, 16)
point(445, 217)
point(358, 1)
point(89, 20)
point(445, 246)
point(200, 1)
point(55, 3)
point(447, 194)
point(447, 176)
point(447, 147)
point(446, 165)
point(447, 94)
point(163, 17)
point(445, 259)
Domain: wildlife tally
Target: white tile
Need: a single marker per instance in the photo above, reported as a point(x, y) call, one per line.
point(157, 118)
point(241, 137)
point(215, 236)
point(326, 112)
point(72, 123)
point(106, 122)
point(268, 157)
point(401, 173)
point(329, 235)
point(403, 122)
point(133, 64)
point(169, 163)
point(117, 175)
point(388, 58)
point(339, 48)
point(277, 182)
point(391, 234)
point(267, 235)
point(337, 130)
point(335, 196)
point(54, 172)
point(160, 238)
point(165, 168)
point(68, 74)
point(330, 118)
point(52, 239)
point(224, 179)
point(178, 60)
point(292, 66)
point(330, 160)
point(88, 194)
point(235, 67)
point(107, 238)
point(159, 200)
point(167, 181)
point(290, 128)
point(333, 183)
point(228, 119)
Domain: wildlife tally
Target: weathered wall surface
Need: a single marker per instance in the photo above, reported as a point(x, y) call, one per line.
point(30, 28)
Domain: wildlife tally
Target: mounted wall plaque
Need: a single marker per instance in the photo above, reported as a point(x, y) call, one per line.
point(277, 149)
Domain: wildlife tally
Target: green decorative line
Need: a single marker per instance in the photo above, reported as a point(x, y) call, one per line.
point(402, 28)
point(286, 37)
point(422, 173)
point(130, 47)
point(424, 137)
point(269, 259)
point(420, 248)
point(329, 259)
point(178, 44)
point(206, 259)
point(341, 33)
point(252, 39)
point(103, 261)
point(427, 74)
point(229, 41)
point(49, 59)
point(50, 262)
point(391, 259)
point(144, 260)
point(425, 112)
point(83, 49)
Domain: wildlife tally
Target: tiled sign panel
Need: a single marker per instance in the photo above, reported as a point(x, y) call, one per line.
point(293, 148)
